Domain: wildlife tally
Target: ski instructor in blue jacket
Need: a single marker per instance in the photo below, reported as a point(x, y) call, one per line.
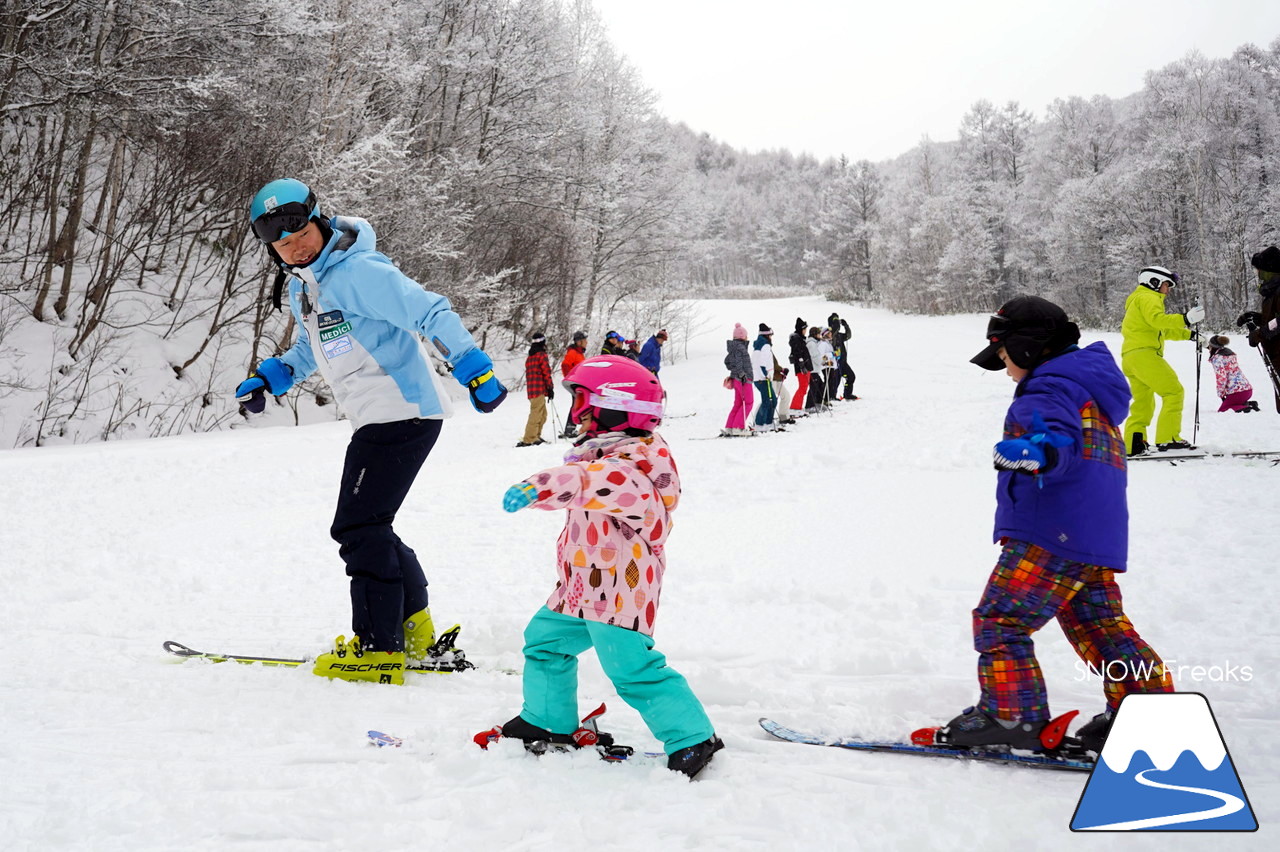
point(361, 323)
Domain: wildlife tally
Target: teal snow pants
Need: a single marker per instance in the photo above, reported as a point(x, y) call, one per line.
point(641, 675)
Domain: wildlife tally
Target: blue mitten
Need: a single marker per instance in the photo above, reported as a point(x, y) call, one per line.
point(273, 376)
point(1023, 456)
point(474, 371)
point(1035, 452)
point(518, 497)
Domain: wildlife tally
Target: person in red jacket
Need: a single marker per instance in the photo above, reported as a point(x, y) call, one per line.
point(537, 376)
point(573, 356)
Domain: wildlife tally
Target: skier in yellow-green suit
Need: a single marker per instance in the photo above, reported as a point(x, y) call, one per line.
point(1145, 329)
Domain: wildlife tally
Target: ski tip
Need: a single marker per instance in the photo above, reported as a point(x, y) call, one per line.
point(178, 649)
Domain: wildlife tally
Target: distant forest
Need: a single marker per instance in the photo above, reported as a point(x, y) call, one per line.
point(509, 158)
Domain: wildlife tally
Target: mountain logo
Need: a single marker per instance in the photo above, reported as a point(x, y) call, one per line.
point(1164, 767)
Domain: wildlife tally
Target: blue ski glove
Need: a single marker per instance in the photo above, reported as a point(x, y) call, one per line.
point(474, 371)
point(272, 376)
point(1033, 453)
point(518, 497)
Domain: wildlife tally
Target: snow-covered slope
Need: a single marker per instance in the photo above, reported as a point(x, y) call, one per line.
point(823, 577)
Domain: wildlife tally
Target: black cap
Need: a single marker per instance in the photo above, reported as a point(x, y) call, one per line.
point(801, 325)
point(764, 329)
point(1030, 329)
point(1267, 260)
point(537, 337)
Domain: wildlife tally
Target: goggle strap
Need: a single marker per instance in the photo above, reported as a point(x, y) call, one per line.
point(636, 406)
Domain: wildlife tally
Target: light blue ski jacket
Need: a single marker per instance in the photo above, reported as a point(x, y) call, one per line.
point(361, 322)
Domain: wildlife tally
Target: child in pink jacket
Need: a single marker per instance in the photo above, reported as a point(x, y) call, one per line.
point(619, 486)
point(1233, 388)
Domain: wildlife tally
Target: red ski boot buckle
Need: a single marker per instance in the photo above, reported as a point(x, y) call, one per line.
point(584, 737)
point(589, 733)
point(492, 735)
point(1052, 734)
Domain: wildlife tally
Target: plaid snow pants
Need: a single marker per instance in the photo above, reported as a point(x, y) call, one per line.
point(1030, 586)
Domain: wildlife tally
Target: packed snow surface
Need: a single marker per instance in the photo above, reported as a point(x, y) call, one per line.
point(823, 577)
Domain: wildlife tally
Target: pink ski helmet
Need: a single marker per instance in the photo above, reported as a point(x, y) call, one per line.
point(611, 393)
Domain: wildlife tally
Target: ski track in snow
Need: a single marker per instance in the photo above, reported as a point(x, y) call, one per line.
point(824, 576)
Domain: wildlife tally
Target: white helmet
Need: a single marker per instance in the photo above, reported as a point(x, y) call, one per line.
point(1154, 276)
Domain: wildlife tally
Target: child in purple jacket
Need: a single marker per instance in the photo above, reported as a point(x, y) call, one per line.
point(1063, 522)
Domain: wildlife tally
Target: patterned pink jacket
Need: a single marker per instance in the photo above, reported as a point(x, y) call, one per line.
point(1226, 370)
point(620, 492)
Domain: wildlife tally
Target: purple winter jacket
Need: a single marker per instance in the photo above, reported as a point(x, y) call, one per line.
point(1078, 509)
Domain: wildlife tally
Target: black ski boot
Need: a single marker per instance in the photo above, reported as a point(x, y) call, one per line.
point(1178, 444)
point(540, 740)
point(535, 739)
point(691, 760)
point(973, 728)
point(1093, 733)
point(1139, 446)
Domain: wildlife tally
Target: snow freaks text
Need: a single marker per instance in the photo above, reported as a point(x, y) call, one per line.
point(1120, 670)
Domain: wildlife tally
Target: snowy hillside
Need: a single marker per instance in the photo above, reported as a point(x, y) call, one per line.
point(823, 577)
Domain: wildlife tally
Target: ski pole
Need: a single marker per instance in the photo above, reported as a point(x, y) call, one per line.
point(555, 419)
point(1195, 428)
point(1271, 370)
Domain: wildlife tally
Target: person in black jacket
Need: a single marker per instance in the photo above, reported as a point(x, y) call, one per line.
point(803, 365)
point(1263, 324)
point(840, 342)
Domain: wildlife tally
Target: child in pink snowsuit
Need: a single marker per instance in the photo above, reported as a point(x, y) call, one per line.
point(1233, 388)
point(619, 486)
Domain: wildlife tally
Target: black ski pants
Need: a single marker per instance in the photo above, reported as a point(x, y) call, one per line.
point(846, 372)
point(387, 582)
point(817, 390)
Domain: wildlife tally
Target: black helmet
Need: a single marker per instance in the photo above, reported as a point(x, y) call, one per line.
point(1030, 329)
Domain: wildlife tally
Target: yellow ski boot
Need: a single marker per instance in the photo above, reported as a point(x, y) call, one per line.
point(350, 661)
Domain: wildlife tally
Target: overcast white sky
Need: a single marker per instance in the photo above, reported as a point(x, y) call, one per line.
point(870, 79)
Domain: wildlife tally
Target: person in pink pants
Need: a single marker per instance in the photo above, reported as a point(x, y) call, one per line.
point(738, 362)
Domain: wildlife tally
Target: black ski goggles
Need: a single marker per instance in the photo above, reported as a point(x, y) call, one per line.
point(281, 221)
point(998, 328)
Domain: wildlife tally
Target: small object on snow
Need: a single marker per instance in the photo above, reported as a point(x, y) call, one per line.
point(382, 740)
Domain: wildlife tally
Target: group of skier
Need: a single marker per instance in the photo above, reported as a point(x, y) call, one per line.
point(1061, 516)
point(1147, 326)
point(818, 355)
point(540, 388)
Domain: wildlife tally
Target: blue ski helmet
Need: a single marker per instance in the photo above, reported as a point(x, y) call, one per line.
point(281, 208)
